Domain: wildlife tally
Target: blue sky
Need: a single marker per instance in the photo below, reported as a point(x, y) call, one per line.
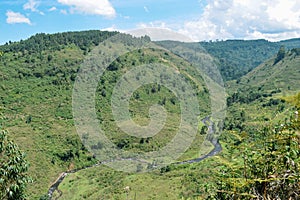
point(198, 19)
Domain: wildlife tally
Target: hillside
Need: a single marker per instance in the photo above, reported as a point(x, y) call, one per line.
point(276, 74)
point(37, 77)
point(36, 92)
point(257, 98)
point(238, 57)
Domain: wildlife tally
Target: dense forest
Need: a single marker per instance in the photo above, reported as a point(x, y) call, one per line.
point(260, 137)
point(238, 57)
point(41, 41)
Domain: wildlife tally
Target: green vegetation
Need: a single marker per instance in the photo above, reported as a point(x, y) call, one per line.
point(35, 96)
point(280, 55)
point(252, 136)
point(263, 165)
point(238, 57)
point(109, 184)
point(294, 100)
point(13, 169)
point(251, 166)
point(146, 96)
point(85, 40)
point(279, 74)
point(260, 156)
point(37, 77)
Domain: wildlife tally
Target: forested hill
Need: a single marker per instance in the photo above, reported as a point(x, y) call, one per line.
point(41, 41)
point(238, 57)
point(291, 43)
point(280, 72)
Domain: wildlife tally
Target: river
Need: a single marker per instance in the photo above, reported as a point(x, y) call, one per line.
point(217, 148)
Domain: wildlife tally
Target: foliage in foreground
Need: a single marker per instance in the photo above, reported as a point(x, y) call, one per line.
point(13, 170)
point(262, 166)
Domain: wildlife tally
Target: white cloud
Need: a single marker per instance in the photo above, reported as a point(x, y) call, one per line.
point(52, 9)
point(248, 19)
point(31, 5)
point(14, 18)
point(95, 7)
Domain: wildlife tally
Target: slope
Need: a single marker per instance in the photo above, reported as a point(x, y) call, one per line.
point(37, 77)
point(36, 86)
point(271, 75)
point(238, 57)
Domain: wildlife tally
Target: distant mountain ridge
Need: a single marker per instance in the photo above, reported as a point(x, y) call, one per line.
point(283, 74)
point(238, 57)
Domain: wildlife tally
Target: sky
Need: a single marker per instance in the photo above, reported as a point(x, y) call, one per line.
point(201, 20)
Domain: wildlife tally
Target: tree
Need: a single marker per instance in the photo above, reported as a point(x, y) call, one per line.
point(203, 130)
point(49, 58)
point(13, 170)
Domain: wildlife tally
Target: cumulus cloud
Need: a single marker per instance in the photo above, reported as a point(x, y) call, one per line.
point(248, 19)
point(14, 18)
point(95, 7)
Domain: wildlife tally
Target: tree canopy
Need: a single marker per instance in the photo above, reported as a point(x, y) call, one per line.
point(13, 170)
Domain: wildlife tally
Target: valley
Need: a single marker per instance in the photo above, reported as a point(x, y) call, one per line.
point(226, 158)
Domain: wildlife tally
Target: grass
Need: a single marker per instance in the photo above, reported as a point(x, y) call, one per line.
point(175, 182)
point(104, 183)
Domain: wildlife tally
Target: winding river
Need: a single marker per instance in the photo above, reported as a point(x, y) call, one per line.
point(217, 148)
